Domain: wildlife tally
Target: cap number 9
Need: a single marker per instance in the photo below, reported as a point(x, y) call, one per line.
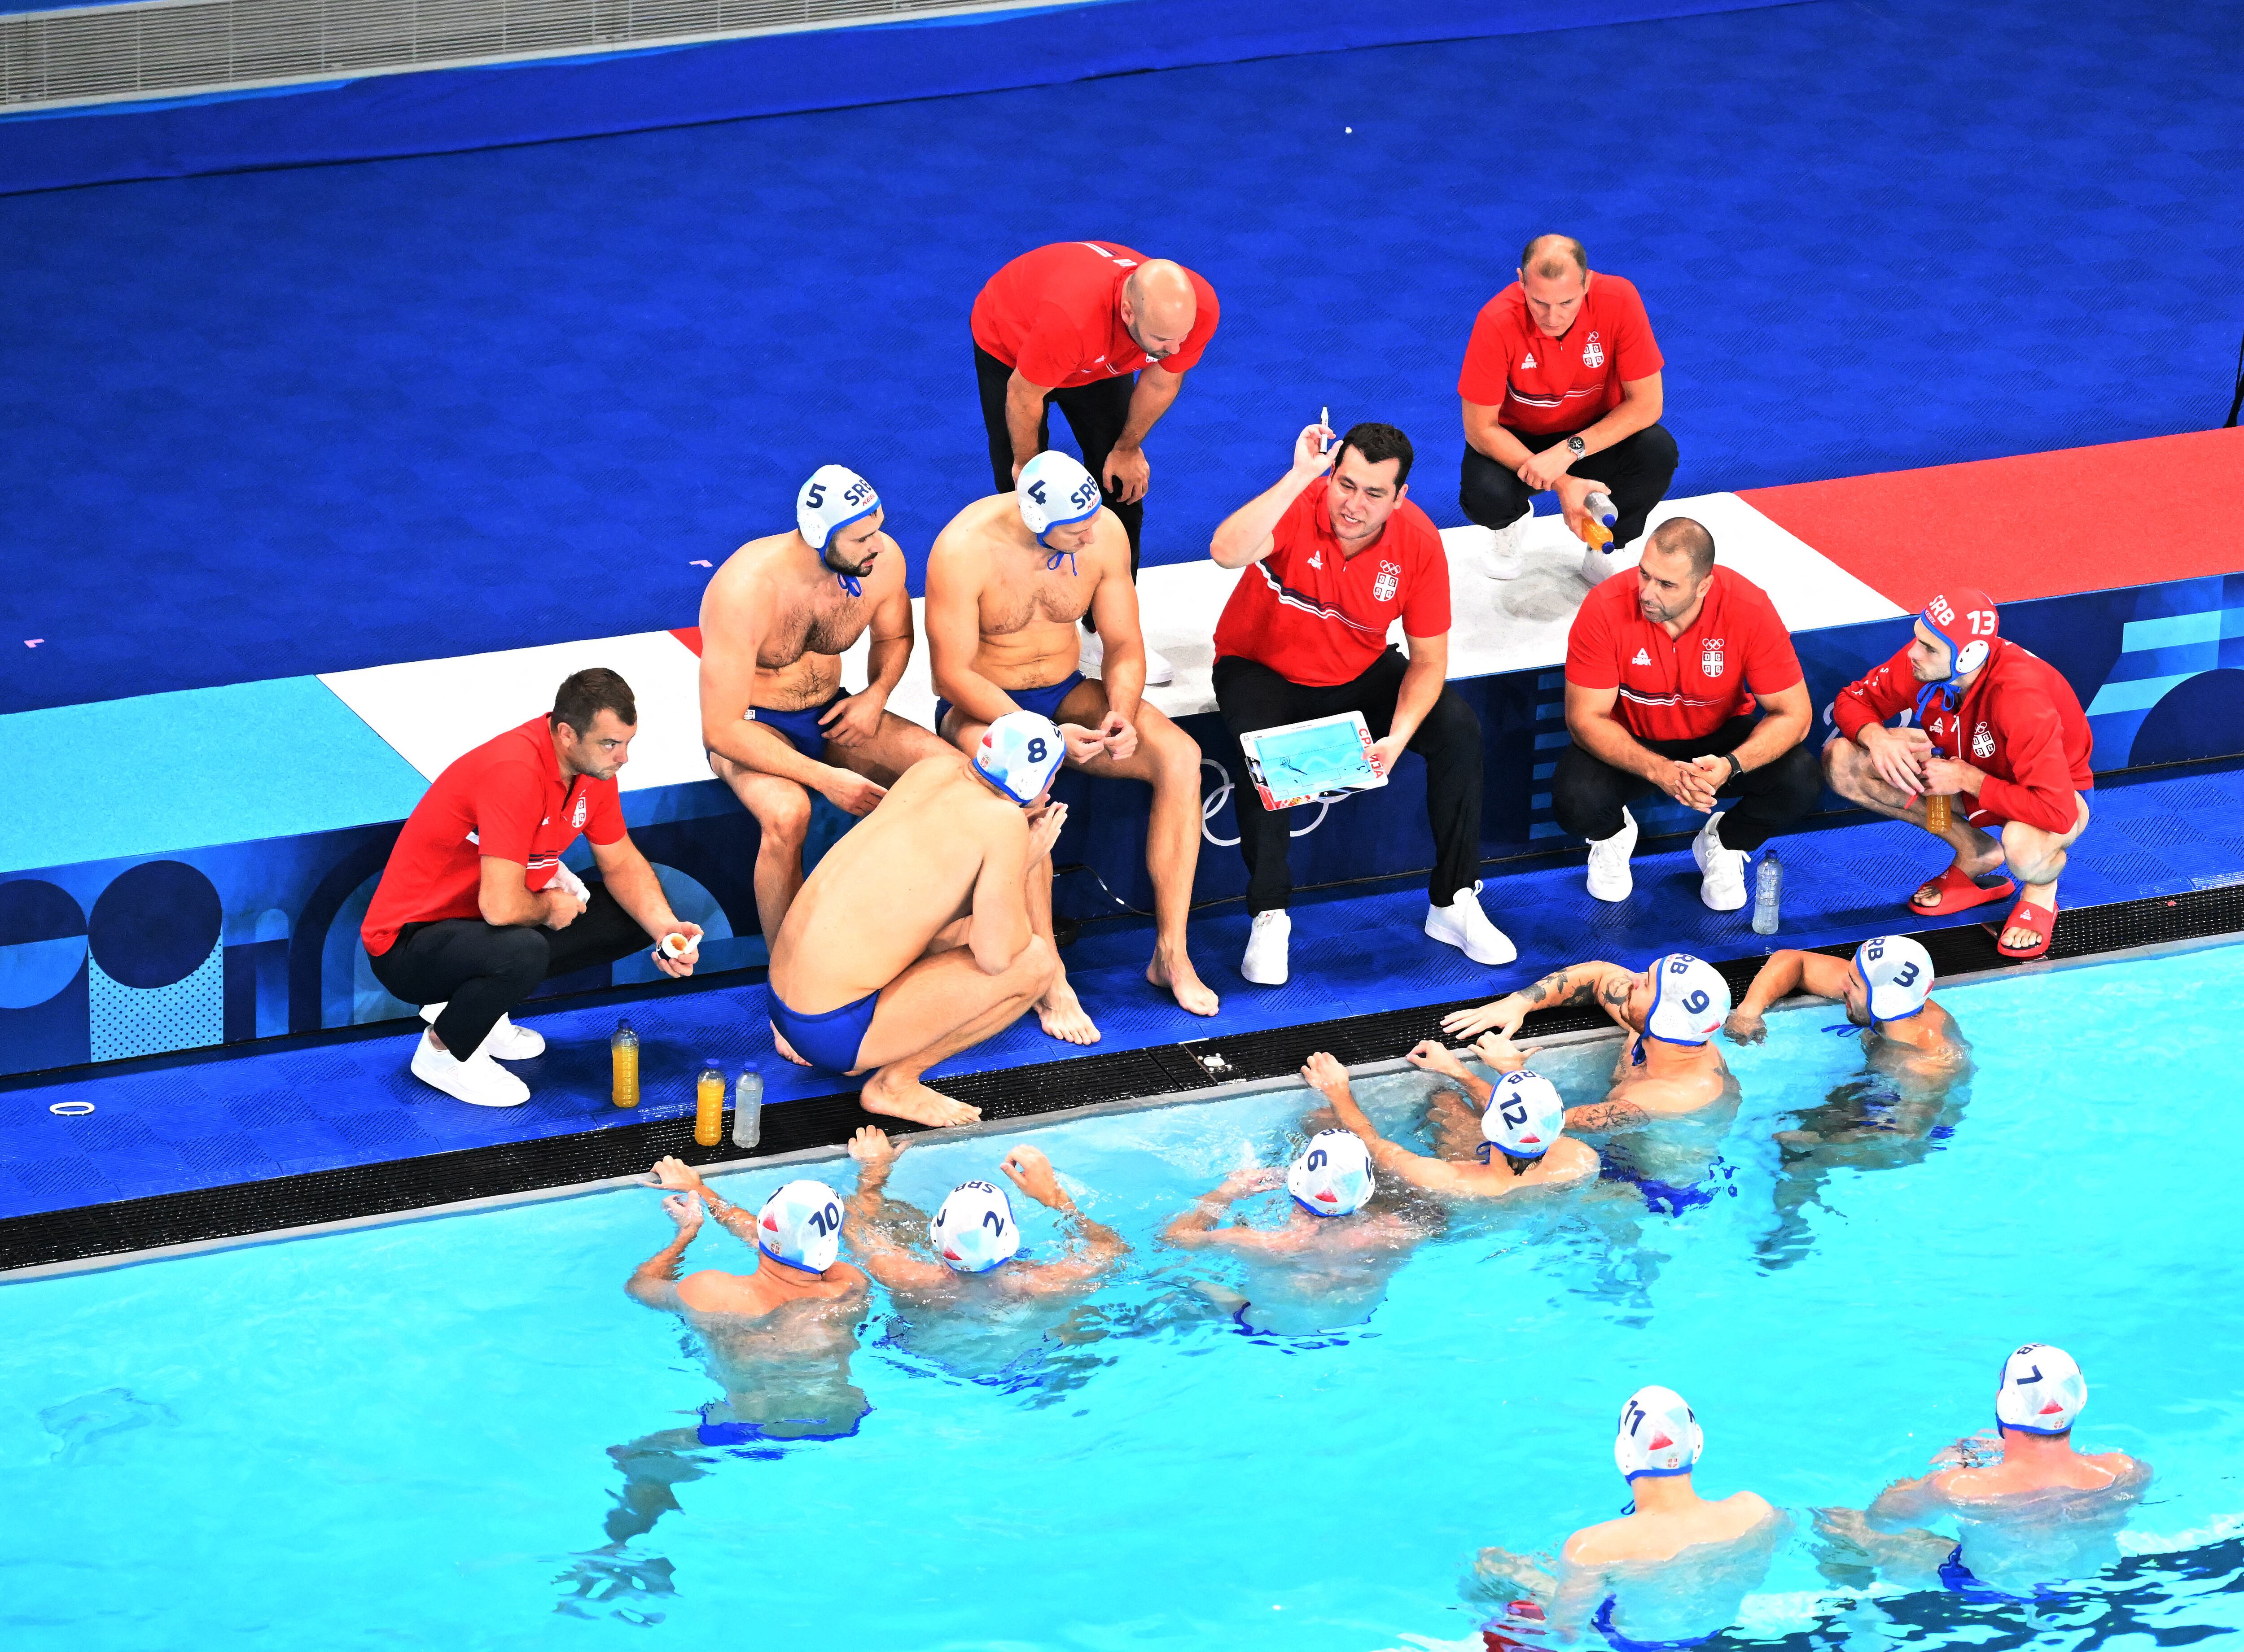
point(1696, 1002)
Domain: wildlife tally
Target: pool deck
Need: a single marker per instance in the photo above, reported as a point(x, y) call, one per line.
point(342, 1102)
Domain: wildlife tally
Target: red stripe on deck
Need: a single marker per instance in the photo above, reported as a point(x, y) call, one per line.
point(2043, 524)
point(691, 636)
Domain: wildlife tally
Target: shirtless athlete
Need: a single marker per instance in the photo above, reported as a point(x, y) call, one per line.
point(1674, 1007)
point(1006, 582)
point(775, 620)
point(1667, 1575)
point(911, 940)
point(1886, 990)
point(1519, 1127)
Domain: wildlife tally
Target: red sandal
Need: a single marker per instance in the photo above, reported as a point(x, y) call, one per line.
point(1958, 892)
point(2042, 920)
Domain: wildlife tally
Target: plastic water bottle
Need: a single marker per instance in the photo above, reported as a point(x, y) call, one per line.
point(709, 1106)
point(1602, 517)
point(623, 1060)
point(748, 1107)
point(1769, 891)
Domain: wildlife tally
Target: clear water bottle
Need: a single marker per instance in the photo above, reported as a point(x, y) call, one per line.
point(1768, 892)
point(748, 1107)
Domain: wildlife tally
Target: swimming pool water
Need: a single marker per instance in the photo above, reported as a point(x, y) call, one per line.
point(400, 1436)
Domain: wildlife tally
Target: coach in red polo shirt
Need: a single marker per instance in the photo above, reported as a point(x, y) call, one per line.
point(475, 907)
point(1334, 553)
point(2000, 733)
point(1664, 670)
point(1561, 391)
point(1078, 323)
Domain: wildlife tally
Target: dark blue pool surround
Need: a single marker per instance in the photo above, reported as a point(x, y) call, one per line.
point(327, 1101)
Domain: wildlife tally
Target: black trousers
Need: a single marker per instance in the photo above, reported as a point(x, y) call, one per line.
point(1636, 469)
point(1587, 794)
point(479, 971)
point(1251, 696)
point(1095, 413)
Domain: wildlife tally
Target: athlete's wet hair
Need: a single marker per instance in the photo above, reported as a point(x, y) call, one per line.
point(1561, 251)
point(1378, 443)
point(581, 698)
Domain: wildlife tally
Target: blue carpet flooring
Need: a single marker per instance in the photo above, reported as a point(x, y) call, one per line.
point(281, 422)
point(186, 1122)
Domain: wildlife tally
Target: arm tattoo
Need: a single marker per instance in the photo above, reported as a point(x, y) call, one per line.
point(1556, 989)
point(1610, 1116)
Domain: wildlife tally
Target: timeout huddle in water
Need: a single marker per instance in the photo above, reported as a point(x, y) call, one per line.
point(2027, 1509)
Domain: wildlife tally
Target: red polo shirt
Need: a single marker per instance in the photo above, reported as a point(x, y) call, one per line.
point(504, 799)
point(2028, 735)
point(1540, 384)
point(1054, 316)
point(1683, 687)
point(1319, 618)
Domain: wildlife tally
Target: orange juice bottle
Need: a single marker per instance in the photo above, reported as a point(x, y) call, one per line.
point(623, 1060)
point(709, 1106)
point(1937, 812)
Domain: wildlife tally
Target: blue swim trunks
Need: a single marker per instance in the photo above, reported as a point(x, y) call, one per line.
point(829, 1039)
point(1604, 1624)
point(731, 1431)
point(1958, 1578)
point(798, 729)
point(1045, 701)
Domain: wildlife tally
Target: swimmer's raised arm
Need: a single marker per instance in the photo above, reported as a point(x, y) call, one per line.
point(1583, 983)
point(1195, 1228)
point(1324, 1074)
point(1787, 972)
point(1101, 1247)
point(654, 1282)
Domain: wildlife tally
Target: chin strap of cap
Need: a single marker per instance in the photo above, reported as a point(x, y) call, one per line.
point(1052, 562)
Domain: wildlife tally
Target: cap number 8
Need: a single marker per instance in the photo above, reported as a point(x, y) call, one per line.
point(1036, 749)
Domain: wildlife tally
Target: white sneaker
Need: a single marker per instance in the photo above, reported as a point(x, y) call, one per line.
point(1503, 555)
point(505, 1041)
point(1722, 887)
point(1160, 673)
point(1609, 876)
point(478, 1081)
point(1265, 963)
point(1598, 566)
point(1462, 924)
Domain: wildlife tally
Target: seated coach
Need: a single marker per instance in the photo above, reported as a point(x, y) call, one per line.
point(2000, 732)
point(1334, 553)
point(1664, 672)
point(475, 907)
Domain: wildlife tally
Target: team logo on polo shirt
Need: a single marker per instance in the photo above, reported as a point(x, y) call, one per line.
point(577, 817)
point(1710, 656)
point(1383, 590)
point(1983, 741)
point(1593, 354)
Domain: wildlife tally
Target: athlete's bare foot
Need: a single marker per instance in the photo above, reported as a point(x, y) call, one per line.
point(1063, 1014)
point(786, 1049)
point(909, 1099)
point(1174, 971)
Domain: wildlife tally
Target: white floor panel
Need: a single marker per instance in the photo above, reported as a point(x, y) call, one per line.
point(434, 710)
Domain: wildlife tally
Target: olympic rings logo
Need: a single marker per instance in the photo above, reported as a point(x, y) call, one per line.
point(1211, 804)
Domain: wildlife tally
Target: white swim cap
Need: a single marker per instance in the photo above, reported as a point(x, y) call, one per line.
point(1333, 1177)
point(1898, 972)
point(801, 1226)
point(1019, 754)
point(833, 498)
point(1690, 1000)
point(1523, 1116)
point(1657, 1435)
point(1055, 492)
point(2042, 1390)
point(974, 1230)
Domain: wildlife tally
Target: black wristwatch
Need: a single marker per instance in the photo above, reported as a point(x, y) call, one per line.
point(1736, 767)
point(1576, 446)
